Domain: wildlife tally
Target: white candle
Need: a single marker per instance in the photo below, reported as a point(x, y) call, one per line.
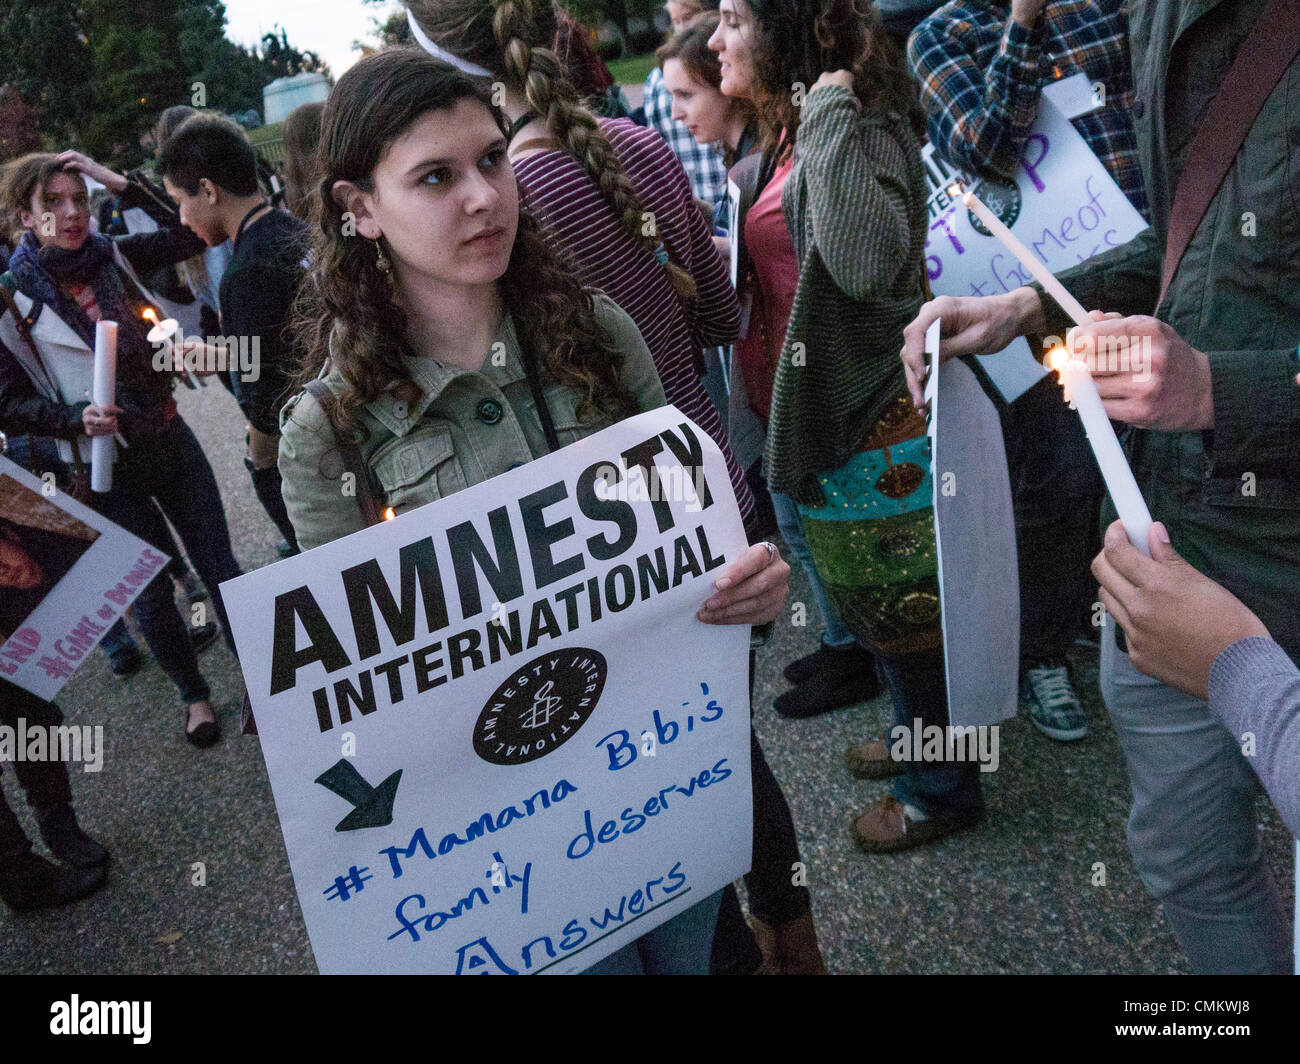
point(1115, 471)
point(103, 392)
point(1027, 259)
point(164, 332)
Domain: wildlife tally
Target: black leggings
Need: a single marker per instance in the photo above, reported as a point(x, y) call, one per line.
point(773, 898)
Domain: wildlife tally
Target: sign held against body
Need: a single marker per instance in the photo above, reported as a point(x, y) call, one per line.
point(453, 708)
point(66, 576)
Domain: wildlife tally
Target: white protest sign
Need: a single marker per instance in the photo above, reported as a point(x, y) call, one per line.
point(975, 537)
point(66, 575)
point(498, 737)
point(1064, 206)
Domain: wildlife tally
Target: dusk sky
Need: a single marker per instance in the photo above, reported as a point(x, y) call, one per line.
point(327, 27)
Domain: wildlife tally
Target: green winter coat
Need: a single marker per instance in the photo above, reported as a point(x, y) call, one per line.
point(1229, 496)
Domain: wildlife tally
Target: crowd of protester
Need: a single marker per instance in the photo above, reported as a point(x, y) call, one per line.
point(375, 299)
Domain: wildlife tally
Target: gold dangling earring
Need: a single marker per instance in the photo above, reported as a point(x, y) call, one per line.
point(381, 260)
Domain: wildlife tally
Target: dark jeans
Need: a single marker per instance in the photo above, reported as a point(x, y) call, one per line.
point(939, 789)
point(1056, 491)
point(173, 472)
point(46, 782)
point(117, 638)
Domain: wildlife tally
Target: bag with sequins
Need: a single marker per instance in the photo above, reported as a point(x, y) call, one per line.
point(873, 540)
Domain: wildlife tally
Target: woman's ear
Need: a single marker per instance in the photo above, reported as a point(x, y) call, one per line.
point(355, 206)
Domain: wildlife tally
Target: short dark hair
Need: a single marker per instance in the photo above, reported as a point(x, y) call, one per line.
point(211, 147)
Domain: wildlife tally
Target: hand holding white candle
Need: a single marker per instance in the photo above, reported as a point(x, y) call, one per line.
point(103, 392)
point(1120, 483)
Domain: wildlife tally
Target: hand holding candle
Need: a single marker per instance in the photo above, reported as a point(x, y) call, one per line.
point(1120, 483)
point(1080, 391)
point(103, 391)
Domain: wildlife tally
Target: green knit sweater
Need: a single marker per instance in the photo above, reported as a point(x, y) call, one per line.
point(855, 206)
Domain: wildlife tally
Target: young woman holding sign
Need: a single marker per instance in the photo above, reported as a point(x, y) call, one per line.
point(440, 318)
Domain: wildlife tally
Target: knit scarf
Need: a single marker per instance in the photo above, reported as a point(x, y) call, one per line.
point(42, 273)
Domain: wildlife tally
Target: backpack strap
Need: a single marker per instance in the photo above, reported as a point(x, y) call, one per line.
point(1261, 60)
point(350, 452)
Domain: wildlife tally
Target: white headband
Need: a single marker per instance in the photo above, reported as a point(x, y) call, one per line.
point(463, 65)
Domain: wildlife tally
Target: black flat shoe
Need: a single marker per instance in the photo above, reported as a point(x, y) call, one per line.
point(831, 666)
point(67, 841)
point(29, 882)
point(205, 735)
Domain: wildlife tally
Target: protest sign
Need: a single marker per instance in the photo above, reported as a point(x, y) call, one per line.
point(498, 738)
point(1064, 206)
point(66, 575)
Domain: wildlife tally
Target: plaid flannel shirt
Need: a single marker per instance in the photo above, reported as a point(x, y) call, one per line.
point(702, 162)
point(980, 73)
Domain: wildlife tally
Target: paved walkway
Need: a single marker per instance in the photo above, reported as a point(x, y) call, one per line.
point(1013, 896)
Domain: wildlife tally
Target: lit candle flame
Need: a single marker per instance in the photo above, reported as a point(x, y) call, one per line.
point(1058, 358)
point(148, 313)
point(955, 190)
point(389, 514)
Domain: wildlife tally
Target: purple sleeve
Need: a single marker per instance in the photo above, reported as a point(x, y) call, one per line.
point(1255, 691)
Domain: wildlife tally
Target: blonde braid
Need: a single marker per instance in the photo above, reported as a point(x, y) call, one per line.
point(551, 95)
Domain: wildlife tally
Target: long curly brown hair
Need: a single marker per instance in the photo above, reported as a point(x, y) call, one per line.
point(513, 39)
point(796, 41)
point(348, 301)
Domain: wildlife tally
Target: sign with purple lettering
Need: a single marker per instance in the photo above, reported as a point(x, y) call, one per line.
point(500, 740)
point(66, 575)
point(1064, 206)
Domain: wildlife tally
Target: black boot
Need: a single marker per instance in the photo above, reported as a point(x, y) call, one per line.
point(266, 485)
point(67, 841)
point(30, 882)
point(829, 679)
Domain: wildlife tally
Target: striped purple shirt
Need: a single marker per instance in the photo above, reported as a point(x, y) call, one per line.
point(569, 204)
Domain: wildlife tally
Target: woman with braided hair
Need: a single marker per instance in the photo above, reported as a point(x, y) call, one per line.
point(611, 194)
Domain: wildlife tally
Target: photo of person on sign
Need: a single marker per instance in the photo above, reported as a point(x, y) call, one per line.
point(39, 543)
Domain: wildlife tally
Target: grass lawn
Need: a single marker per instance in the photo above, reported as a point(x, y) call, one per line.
point(632, 71)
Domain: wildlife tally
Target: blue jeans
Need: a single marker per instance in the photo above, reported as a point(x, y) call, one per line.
point(1191, 828)
point(787, 520)
point(679, 947)
point(940, 789)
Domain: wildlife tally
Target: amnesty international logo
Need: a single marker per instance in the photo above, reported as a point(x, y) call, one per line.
point(540, 706)
point(1002, 198)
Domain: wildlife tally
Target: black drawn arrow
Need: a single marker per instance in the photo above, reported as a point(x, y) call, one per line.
point(374, 805)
